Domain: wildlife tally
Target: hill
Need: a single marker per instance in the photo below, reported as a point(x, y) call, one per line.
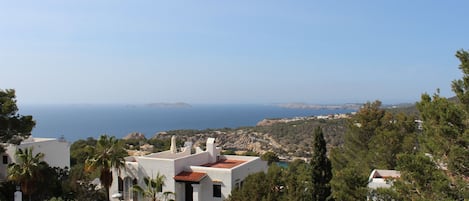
point(290, 140)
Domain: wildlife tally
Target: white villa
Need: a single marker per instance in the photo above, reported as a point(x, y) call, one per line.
point(381, 179)
point(202, 176)
point(56, 152)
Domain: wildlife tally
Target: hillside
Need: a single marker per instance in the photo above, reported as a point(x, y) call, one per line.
point(411, 109)
point(289, 140)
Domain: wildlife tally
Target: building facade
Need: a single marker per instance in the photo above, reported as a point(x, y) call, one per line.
point(203, 175)
point(56, 153)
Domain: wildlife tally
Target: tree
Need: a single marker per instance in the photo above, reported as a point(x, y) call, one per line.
point(374, 139)
point(153, 187)
point(270, 157)
point(320, 168)
point(13, 127)
point(255, 187)
point(27, 172)
point(297, 179)
point(108, 154)
point(262, 186)
point(421, 179)
point(350, 165)
point(458, 160)
point(440, 170)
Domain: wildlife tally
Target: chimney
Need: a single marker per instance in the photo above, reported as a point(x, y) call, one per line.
point(212, 150)
point(173, 148)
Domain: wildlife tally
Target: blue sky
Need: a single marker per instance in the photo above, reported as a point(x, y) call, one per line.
point(230, 51)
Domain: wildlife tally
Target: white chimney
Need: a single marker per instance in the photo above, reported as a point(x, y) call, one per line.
point(212, 150)
point(173, 148)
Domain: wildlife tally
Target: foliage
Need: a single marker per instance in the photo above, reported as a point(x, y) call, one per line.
point(301, 181)
point(108, 154)
point(374, 138)
point(440, 169)
point(80, 187)
point(13, 126)
point(255, 187)
point(321, 168)
point(80, 150)
point(270, 157)
point(296, 136)
point(153, 186)
point(228, 152)
point(163, 144)
point(7, 190)
point(27, 172)
point(421, 179)
point(297, 181)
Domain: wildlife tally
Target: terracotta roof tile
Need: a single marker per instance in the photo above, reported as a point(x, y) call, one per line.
point(226, 163)
point(190, 176)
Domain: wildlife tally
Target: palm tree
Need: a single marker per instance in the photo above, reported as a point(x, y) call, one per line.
point(153, 186)
point(27, 172)
point(109, 153)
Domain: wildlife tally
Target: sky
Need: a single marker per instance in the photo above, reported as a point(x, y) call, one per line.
point(230, 52)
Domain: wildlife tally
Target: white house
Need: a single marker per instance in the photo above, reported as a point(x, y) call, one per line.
point(56, 152)
point(202, 176)
point(381, 179)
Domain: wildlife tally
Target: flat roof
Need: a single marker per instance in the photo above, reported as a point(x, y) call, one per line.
point(225, 163)
point(190, 176)
point(37, 139)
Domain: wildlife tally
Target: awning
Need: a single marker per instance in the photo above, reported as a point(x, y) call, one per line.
point(190, 176)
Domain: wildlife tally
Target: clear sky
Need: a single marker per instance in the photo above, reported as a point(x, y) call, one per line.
point(246, 51)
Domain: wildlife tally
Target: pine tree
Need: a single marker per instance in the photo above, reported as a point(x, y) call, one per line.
point(320, 168)
point(443, 144)
point(13, 126)
point(350, 165)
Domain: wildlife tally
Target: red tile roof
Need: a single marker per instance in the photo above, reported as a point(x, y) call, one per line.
point(190, 176)
point(226, 163)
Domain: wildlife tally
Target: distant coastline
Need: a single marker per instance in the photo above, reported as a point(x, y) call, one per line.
point(348, 106)
point(169, 105)
point(77, 122)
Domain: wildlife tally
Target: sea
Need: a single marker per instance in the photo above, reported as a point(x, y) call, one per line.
point(74, 122)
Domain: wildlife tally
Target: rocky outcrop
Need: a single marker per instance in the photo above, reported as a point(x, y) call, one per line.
point(135, 136)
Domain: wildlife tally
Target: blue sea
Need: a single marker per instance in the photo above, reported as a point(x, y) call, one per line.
point(76, 122)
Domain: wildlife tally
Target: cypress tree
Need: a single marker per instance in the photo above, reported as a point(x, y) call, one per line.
point(321, 168)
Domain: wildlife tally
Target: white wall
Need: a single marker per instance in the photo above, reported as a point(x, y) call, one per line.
point(220, 176)
point(149, 167)
point(241, 172)
point(226, 177)
point(56, 154)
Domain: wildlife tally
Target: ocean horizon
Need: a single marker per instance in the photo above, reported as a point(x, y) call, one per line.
point(75, 122)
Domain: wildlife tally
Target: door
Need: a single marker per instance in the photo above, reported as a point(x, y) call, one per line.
point(189, 191)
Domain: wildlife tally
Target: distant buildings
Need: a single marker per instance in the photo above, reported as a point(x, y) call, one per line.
point(56, 153)
point(200, 176)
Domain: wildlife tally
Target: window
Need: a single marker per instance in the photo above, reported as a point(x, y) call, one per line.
point(217, 190)
point(5, 159)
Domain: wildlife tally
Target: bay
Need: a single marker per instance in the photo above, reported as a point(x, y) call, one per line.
point(75, 122)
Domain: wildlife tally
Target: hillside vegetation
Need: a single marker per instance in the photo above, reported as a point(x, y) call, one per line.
point(289, 140)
